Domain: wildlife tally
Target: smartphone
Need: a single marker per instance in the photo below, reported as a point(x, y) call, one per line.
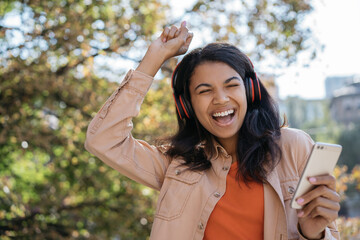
point(321, 161)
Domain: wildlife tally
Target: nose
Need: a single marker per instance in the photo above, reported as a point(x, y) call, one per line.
point(220, 97)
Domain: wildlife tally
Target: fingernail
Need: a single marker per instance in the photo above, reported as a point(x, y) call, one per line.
point(312, 179)
point(164, 39)
point(183, 24)
point(300, 214)
point(300, 200)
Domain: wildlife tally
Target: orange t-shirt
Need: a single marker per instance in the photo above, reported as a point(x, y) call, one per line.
point(239, 214)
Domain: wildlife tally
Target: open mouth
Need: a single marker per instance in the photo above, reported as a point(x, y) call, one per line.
point(224, 117)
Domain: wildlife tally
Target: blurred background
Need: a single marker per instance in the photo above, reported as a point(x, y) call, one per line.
point(60, 60)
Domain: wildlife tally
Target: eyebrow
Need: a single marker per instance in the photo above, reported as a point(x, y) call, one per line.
point(229, 79)
point(226, 81)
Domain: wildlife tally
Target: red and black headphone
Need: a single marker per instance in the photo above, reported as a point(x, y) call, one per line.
point(252, 89)
point(183, 107)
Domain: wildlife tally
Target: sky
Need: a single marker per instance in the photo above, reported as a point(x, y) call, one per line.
point(335, 25)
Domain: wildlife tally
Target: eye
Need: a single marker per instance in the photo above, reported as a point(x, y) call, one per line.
point(233, 85)
point(204, 91)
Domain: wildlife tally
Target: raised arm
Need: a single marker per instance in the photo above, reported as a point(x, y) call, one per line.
point(172, 42)
point(109, 133)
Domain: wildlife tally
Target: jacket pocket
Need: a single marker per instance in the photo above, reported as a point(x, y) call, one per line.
point(176, 191)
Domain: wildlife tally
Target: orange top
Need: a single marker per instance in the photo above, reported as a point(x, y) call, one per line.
point(239, 214)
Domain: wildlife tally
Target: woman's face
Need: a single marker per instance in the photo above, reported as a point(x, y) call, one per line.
point(218, 98)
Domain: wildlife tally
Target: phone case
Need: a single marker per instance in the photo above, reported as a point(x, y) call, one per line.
point(321, 161)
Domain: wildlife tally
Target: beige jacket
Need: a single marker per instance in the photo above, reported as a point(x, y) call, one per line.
point(187, 198)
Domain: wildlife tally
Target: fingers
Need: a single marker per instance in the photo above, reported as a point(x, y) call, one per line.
point(174, 32)
point(177, 33)
point(189, 38)
point(323, 216)
point(186, 45)
point(174, 40)
point(320, 191)
point(321, 207)
point(322, 201)
point(165, 34)
point(184, 32)
point(324, 186)
point(327, 180)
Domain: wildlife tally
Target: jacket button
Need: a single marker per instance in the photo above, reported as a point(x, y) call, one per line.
point(177, 172)
point(217, 194)
point(225, 168)
point(201, 226)
point(291, 190)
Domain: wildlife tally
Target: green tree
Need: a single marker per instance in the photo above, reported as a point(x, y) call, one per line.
point(54, 76)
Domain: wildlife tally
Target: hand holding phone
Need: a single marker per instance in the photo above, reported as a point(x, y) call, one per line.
point(321, 161)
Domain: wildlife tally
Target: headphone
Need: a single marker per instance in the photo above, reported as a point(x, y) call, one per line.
point(183, 107)
point(252, 89)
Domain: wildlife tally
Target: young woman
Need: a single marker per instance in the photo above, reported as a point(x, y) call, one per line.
point(230, 171)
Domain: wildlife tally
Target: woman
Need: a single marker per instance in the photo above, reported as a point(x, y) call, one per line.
point(230, 170)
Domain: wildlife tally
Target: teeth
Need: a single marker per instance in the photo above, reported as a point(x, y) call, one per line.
point(223, 114)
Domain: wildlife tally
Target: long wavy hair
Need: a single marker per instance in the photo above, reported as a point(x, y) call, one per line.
point(257, 148)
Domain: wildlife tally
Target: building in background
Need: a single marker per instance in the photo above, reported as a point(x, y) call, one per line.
point(345, 104)
point(334, 83)
point(342, 101)
point(302, 112)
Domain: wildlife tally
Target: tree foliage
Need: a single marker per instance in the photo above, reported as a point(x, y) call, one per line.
point(54, 76)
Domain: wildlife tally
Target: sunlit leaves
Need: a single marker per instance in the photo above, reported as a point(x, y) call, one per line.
point(50, 186)
point(349, 228)
point(343, 179)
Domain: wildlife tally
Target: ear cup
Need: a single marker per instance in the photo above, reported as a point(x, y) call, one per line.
point(253, 92)
point(252, 86)
point(248, 90)
point(178, 106)
point(186, 106)
point(257, 90)
point(183, 107)
point(179, 109)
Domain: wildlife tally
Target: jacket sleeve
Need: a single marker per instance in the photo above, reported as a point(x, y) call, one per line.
point(109, 134)
point(331, 231)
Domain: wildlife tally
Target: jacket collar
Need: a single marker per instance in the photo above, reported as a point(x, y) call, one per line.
point(218, 149)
